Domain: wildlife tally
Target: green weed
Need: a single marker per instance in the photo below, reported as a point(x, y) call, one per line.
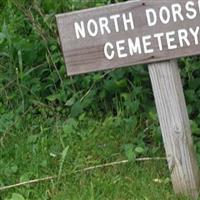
point(51, 124)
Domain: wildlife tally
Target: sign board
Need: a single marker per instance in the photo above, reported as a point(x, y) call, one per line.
point(130, 33)
point(137, 32)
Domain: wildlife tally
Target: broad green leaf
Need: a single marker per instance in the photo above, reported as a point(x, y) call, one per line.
point(139, 150)
point(16, 196)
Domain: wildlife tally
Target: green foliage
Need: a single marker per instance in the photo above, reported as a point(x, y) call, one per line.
point(16, 196)
point(33, 72)
point(33, 76)
point(64, 154)
point(54, 124)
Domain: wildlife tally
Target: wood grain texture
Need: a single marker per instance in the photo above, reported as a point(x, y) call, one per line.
point(175, 127)
point(87, 55)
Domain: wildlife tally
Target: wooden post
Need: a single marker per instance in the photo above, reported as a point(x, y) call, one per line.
point(175, 127)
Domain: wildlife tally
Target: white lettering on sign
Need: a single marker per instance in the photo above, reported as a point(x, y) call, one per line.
point(143, 44)
point(79, 29)
point(103, 22)
point(159, 37)
point(151, 17)
point(129, 33)
point(135, 47)
point(108, 51)
point(195, 34)
point(192, 13)
point(103, 25)
point(147, 43)
point(128, 21)
point(177, 12)
point(164, 15)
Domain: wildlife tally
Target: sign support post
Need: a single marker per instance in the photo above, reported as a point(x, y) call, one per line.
point(175, 127)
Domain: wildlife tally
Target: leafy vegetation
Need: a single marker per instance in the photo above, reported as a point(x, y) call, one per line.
point(52, 124)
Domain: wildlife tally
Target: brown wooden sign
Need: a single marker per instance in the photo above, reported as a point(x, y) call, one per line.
point(129, 33)
point(144, 31)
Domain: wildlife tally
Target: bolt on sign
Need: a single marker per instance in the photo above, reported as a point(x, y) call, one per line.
point(129, 33)
point(138, 32)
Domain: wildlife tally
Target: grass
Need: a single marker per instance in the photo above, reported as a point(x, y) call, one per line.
point(35, 148)
point(51, 124)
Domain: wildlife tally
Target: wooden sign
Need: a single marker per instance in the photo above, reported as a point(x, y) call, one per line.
point(129, 33)
point(144, 31)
